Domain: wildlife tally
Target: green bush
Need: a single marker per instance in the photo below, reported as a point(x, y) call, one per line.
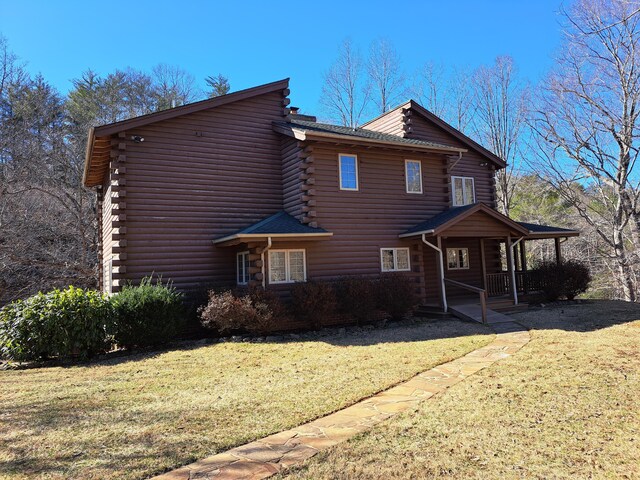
point(313, 301)
point(567, 279)
point(357, 297)
point(60, 323)
point(396, 294)
point(255, 311)
point(149, 314)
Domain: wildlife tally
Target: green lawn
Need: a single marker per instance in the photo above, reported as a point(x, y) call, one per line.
point(136, 416)
point(565, 406)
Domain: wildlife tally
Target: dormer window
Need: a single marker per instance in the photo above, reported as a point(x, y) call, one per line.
point(348, 172)
point(463, 191)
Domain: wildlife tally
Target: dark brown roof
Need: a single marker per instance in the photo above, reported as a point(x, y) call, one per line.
point(440, 222)
point(546, 231)
point(280, 224)
point(303, 130)
point(412, 104)
point(99, 142)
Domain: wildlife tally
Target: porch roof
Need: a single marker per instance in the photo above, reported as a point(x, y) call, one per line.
point(278, 225)
point(548, 231)
point(443, 221)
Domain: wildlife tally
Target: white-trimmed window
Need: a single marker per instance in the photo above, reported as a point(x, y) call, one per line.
point(463, 191)
point(413, 175)
point(394, 260)
point(457, 258)
point(348, 171)
point(287, 266)
point(242, 268)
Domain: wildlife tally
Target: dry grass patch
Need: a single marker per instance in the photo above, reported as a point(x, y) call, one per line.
point(565, 406)
point(137, 416)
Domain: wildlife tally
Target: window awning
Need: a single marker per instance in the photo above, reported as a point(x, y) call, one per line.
point(280, 225)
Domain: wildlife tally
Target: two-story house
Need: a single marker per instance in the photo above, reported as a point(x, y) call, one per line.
point(242, 189)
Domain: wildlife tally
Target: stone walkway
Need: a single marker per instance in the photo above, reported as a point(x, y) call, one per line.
point(272, 454)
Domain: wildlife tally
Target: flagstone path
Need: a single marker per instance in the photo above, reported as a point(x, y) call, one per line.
point(272, 454)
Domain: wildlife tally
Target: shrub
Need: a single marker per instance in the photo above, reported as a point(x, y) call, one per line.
point(312, 301)
point(567, 279)
point(251, 310)
point(396, 295)
point(356, 297)
point(146, 315)
point(59, 323)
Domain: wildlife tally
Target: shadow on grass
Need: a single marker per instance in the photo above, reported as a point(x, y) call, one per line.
point(579, 316)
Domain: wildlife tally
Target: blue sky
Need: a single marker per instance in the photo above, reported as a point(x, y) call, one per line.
point(254, 42)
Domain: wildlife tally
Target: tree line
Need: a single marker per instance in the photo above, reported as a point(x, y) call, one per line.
point(570, 141)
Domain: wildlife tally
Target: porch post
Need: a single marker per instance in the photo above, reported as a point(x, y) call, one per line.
point(483, 264)
point(523, 263)
point(512, 270)
point(558, 251)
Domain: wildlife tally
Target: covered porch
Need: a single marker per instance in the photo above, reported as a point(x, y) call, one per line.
point(474, 254)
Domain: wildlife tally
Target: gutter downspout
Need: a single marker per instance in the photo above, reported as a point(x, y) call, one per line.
point(513, 269)
point(441, 265)
point(456, 162)
point(263, 269)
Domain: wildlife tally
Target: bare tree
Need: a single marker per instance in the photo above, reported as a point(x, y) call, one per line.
point(587, 127)
point(385, 74)
point(500, 106)
point(345, 93)
point(173, 86)
point(430, 89)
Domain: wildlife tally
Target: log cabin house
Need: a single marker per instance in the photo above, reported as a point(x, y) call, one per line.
point(242, 189)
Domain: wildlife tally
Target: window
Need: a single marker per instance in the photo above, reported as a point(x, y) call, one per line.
point(413, 175)
point(243, 268)
point(348, 170)
point(457, 258)
point(394, 259)
point(463, 191)
point(287, 266)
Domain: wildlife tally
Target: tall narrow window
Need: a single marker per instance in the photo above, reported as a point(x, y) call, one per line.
point(457, 258)
point(287, 266)
point(243, 268)
point(413, 175)
point(463, 191)
point(348, 172)
point(394, 259)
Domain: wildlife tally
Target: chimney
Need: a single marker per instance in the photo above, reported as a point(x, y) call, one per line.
point(294, 115)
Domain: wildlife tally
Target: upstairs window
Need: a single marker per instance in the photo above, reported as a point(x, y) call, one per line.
point(458, 258)
point(463, 191)
point(394, 259)
point(413, 176)
point(243, 268)
point(348, 172)
point(287, 266)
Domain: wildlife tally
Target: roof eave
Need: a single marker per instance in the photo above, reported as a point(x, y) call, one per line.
point(303, 135)
point(258, 236)
point(87, 155)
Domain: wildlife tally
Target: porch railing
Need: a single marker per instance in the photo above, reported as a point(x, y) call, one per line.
point(482, 293)
point(526, 282)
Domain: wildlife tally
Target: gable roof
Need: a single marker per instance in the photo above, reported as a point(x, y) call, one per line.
point(97, 156)
point(439, 223)
point(306, 130)
point(467, 141)
point(278, 225)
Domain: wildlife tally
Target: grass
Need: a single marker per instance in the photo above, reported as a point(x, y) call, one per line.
point(565, 406)
point(133, 417)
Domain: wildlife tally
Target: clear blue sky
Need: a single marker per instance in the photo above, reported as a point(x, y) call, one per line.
point(254, 42)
